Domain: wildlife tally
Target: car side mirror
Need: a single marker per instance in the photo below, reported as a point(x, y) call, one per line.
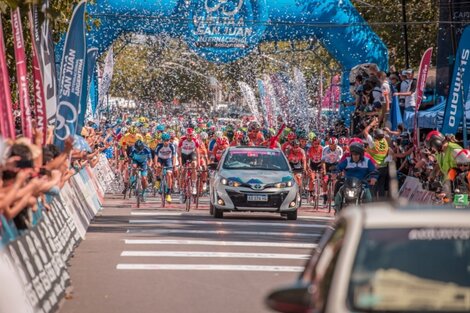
point(212, 166)
point(295, 298)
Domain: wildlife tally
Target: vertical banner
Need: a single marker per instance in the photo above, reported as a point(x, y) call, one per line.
point(21, 74)
point(106, 80)
point(46, 57)
point(421, 84)
point(7, 126)
point(71, 76)
point(90, 63)
point(459, 87)
point(39, 98)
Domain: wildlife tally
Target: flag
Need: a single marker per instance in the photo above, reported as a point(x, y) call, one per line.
point(7, 126)
point(422, 76)
point(21, 74)
point(38, 86)
point(458, 89)
point(90, 63)
point(46, 57)
point(71, 76)
point(106, 80)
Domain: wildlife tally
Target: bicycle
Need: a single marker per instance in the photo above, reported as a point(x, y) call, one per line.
point(330, 189)
point(163, 184)
point(199, 186)
point(315, 191)
point(188, 185)
point(135, 182)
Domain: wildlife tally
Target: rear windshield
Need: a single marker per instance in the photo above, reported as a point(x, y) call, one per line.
point(255, 160)
point(412, 270)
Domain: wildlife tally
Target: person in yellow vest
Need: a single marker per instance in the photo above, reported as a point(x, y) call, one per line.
point(127, 142)
point(378, 148)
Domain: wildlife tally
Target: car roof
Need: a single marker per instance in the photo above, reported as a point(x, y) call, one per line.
point(387, 215)
point(253, 148)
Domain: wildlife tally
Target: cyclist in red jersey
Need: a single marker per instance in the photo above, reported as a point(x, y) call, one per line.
point(314, 158)
point(288, 144)
point(297, 160)
point(219, 148)
point(237, 138)
point(256, 137)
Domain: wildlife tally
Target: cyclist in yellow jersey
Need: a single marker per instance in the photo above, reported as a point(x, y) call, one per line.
point(127, 142)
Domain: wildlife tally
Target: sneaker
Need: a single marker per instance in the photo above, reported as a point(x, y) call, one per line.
point(168, 198)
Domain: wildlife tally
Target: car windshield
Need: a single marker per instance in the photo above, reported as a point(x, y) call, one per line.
point(255, 160)
point(412, 270)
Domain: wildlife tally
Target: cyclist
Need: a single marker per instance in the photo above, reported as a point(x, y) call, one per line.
point(127, 142)
point(462, 178)
point(165, 156)
point(297, 161)
point(141, 156)
point(314, 158)
point(203, 159)
point(331, 155)
point(254, 133)
point(219, 148)
point(188, 152)
point(288, 144)
point(360, 167)
point(445, 152)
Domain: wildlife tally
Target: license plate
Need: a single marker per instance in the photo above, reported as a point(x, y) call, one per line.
point(259, 198)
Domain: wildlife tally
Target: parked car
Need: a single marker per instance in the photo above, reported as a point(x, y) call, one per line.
point(381, 259)
point(254, 179)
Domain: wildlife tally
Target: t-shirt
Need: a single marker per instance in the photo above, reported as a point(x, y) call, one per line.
point(410, 101)
point(315, 154)
point(165, 153)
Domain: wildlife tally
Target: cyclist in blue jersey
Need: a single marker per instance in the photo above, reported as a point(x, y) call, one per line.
point(141, 155)
point(165, 156)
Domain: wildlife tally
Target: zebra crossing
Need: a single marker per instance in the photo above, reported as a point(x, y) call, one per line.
point(193, 241)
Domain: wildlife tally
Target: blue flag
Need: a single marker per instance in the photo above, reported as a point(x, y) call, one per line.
point(71, 76)
point(90, 62)
point(458, 89)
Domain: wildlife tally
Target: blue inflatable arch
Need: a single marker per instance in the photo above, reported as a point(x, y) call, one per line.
point(223, 31)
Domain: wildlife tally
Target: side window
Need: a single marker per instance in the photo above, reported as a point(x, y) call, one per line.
point(325, 268)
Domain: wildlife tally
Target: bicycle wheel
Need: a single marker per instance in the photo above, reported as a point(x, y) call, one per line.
point(330, 192)
point(138, 191)
point(162, 189)
point(196, 197)
point(188, 189)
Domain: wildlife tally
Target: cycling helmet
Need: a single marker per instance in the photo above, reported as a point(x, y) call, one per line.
point(301, 134)
point(132, 130)
point(218, 134)
point(357, 148)
point(343, 141)
point(245, 141)
point(204, 135)
point(189, 131)
point(435, 140)
point(291, 136)
point(312, 136)
point(332, 141)
point(139, 145)
point(165, 136)
point(239, 134)
point(379, 134)
point(254, 125)
point(160, 127)
point(463, 157)
point(296, 143)
point(356, 140)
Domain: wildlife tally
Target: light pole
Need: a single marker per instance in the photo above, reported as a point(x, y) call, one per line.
point(405, 33)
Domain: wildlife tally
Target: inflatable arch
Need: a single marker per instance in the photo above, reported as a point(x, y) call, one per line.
point(223, 31)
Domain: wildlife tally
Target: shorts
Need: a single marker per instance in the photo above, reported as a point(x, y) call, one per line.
point(188, 157)
point(166, 163)
point(143, 169)
point(316, 167)
point(296, 167)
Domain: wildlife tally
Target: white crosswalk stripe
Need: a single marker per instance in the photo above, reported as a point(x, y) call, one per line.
point(218, 243)
point(221, 232)
point(209, 267)
point(208, 254)
point(243, 223)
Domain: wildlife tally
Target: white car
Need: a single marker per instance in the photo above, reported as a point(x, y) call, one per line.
point(255, 179)
point(381, 259)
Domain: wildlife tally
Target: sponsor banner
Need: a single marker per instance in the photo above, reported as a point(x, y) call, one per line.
point(413, 191)
point(422, 76)
point(71, 76)
point(105, 81)
point(7, 126)
point(90, 63)
point(459, 86)
point(38, 86)
point(21, 74)
point(42, 35)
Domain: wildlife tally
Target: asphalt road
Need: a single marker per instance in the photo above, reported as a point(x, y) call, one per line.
point(168, 260)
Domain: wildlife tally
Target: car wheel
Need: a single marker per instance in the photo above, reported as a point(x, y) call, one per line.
point(292, 216)
point(211, 208)
point(218, 213)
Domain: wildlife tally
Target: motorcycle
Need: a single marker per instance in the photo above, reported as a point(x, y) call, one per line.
point(352, 192)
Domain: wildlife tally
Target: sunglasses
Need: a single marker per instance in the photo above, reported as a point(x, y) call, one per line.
point(463, 165)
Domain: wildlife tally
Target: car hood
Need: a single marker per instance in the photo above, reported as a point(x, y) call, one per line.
point(253, 177)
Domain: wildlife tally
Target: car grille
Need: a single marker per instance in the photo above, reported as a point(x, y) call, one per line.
point(239, 199)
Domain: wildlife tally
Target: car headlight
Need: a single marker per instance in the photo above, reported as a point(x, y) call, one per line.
point(230, 183)
point(289, 183)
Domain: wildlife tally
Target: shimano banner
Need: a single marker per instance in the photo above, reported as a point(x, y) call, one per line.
point(71, 76)
point(458, 89)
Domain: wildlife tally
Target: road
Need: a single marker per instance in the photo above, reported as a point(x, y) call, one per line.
point(168, 260)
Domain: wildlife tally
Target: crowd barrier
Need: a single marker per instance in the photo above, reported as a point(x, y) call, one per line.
point(413, 191)
point(36, 259)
